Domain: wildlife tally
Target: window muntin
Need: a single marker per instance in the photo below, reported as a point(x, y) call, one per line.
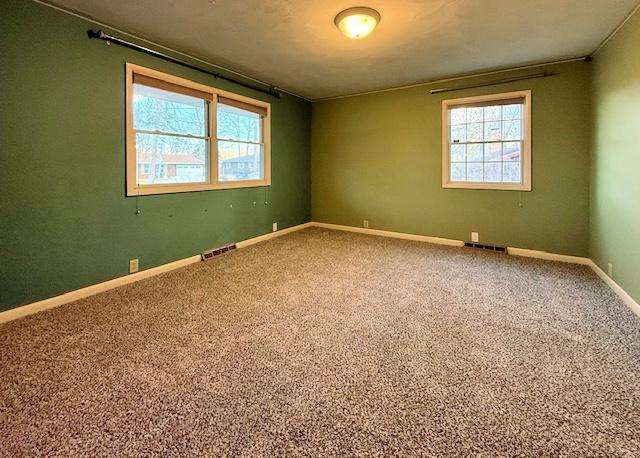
point(487, 142)
point(184, 136)
point(171, 129)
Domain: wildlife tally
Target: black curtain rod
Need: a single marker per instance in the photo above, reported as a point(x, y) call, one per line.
point(99, 34)
point(492, 83)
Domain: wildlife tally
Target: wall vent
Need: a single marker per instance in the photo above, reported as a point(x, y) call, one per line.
point(496, 248)
point(217, 251)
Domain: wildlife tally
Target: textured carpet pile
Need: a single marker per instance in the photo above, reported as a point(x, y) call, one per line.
point(323, 343)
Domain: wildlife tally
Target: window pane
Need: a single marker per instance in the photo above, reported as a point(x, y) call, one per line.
point(475, 114)
point(237, 124)
point(486, 143)
point(493, 172)
point(458, 171)
point(492, 152)
point(458, 153)
point(164, 159)
point(512, 151)
point(165, 111)
point(474, 153)
point(459, 133)
point(474, 132)
point(511, 172)
point(239, 161)
point(510, 112)
point(474, 171)
point(458, 116)
point(512, 130)
point(492, 131)
point(493, 113)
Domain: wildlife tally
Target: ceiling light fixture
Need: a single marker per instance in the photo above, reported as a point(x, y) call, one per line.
point(357, 22)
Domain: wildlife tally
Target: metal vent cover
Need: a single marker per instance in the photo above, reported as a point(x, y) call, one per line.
point(217, 251)
point(481, 246)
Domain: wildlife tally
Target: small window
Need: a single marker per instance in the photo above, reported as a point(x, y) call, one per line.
point(240, 140)
point(487, 142)
point(181, 136)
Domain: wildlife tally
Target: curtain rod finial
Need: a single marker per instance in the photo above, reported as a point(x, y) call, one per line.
point(94, 33)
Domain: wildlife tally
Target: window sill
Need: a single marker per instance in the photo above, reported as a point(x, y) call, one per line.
point(488, 186)
point(176, 188)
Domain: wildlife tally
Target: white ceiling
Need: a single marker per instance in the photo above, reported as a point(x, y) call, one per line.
point(294, 44)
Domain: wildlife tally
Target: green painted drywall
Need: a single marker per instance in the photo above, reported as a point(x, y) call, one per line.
point(379, 157)
point(615, 160)
point(65, 222)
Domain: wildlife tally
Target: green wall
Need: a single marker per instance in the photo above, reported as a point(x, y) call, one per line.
point(379, 157)
point(615, 161)
point(65, 222)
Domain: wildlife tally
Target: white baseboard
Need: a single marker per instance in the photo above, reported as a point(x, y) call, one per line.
point(395, 235)
point(56, 301)
point(452, 242)
point(72, 296)
point(272, 235)
point(548, 256)
point(87, 291)
point(622, 294)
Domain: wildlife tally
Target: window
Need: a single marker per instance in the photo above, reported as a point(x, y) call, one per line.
point(184, 136)
point(239, 141)
point(487, 142)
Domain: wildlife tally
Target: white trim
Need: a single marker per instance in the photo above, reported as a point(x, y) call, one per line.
point(273, 235)
point(395, 235)
point(622, 294)
point(213, 182)
point(87, 291)
point(71, 296)
point(548, 256)
point(52, 302)
point(616, 30)
point(525, 185)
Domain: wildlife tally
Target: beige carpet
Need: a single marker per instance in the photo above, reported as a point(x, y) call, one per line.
point(324, 343)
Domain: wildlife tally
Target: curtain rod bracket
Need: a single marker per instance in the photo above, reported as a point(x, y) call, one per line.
point(100, 35)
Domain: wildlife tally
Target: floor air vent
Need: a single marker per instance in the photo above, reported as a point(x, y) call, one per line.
point(217, 251)
point(499, 249)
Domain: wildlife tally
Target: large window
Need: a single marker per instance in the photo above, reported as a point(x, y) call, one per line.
point(487, 142)
point(184, 136)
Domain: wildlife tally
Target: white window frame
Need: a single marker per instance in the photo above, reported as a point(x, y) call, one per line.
point(525, 185)
point(133, 189)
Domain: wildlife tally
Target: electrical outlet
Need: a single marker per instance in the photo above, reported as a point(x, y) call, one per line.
point(610, 270)
point(475, 237)
point(134, 266)
point(365, 223)
point(274, 227)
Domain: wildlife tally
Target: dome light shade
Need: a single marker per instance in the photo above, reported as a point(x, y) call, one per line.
point(357, 22)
